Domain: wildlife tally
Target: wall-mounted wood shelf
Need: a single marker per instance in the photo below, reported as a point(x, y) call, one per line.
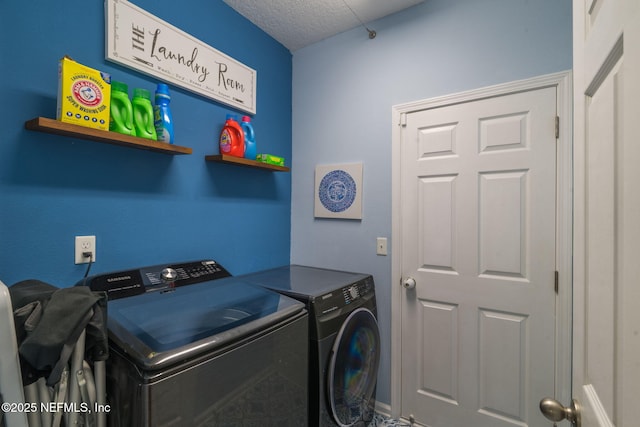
point(43, 124)
point(223, 158)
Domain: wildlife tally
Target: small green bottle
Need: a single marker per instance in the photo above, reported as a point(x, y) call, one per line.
point(143, 114)
point(121, 112)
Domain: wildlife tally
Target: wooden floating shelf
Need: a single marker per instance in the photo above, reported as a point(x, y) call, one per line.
point(241, 161)
point(56, 127)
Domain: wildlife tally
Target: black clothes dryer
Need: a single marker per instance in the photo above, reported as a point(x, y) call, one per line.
point(344, 340)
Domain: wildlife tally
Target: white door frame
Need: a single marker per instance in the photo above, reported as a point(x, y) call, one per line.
point(564, 215)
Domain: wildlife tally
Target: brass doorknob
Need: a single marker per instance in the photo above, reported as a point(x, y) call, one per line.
point(554, 411)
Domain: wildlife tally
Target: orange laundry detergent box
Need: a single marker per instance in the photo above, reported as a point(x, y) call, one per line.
point(84, 95)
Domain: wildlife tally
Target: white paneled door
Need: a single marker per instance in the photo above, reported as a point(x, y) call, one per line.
point(478, 233)
point(606, 327)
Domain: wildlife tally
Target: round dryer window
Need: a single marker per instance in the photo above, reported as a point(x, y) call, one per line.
point(353, 368)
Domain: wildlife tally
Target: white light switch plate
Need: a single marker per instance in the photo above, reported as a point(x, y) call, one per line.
point(381, 246)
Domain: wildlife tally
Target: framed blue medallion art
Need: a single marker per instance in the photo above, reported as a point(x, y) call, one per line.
point(339, 191)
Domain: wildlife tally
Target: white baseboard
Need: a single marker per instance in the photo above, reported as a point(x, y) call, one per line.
point(383, 409)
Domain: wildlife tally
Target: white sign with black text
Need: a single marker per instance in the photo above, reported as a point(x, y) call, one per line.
point(139, 40)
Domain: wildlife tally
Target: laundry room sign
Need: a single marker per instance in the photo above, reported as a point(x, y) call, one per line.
point(143, 42)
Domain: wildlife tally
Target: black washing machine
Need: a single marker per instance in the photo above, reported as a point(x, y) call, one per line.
point(344, 350)
point(192, 346)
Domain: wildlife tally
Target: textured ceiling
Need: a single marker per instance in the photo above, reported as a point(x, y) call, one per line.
point(299, 23)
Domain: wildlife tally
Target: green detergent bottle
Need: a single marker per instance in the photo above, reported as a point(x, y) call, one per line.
point(143, 114)
point(121, 114)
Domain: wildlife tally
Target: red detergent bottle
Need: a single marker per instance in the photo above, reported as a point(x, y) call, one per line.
point(232, 138)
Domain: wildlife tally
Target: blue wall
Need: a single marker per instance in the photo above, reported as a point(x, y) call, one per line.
point(344, 89)
point(143, 207)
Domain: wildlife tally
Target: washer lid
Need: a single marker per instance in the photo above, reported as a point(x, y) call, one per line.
point(158, 329)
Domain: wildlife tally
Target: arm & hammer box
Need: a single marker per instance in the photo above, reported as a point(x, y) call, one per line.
point(84, 95)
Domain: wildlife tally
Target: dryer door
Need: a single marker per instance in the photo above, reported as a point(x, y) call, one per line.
point(353, 368)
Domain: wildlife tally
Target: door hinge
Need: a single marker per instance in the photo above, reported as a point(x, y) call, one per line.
point(557, 127)
point(403, 119)
point(556, 284)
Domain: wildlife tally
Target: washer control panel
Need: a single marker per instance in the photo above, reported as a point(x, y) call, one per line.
point(162, 277)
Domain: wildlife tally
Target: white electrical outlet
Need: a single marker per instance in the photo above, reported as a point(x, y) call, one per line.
point(85, 244)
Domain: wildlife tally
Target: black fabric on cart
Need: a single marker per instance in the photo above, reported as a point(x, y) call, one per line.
point(48, 322)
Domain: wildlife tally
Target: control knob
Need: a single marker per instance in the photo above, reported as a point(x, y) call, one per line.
point(169, 275)
point(353, 291)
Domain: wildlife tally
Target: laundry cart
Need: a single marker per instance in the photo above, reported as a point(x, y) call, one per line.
point(10, 383)
point(56, 354)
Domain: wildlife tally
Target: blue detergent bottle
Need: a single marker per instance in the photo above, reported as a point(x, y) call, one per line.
point(162, 119)
point(249, 139)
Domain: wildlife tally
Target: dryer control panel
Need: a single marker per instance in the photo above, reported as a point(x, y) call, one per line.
point(163, 277)
point(355, 293)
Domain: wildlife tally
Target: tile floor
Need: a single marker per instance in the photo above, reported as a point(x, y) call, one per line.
point(380, 421)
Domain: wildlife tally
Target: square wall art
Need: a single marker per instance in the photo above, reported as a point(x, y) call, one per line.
point(338, 191)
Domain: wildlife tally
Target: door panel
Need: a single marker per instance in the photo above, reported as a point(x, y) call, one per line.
point(607, 211)
point(502, 218)
point(601, 243)
point(478, 235)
